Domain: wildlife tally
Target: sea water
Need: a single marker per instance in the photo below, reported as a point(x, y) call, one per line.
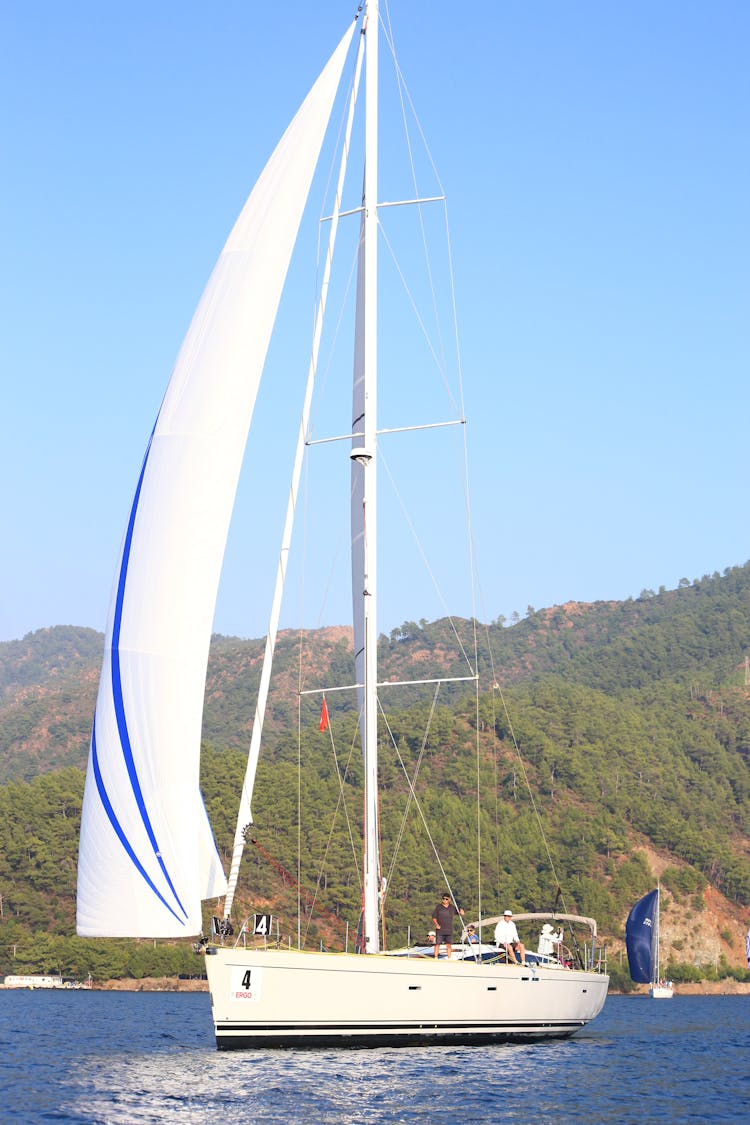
point(131, 1058)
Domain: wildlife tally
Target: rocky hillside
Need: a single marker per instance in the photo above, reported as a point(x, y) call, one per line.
point(696, 637)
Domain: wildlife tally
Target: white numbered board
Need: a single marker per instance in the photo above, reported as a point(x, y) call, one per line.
point(262, 924)
point(245, 984)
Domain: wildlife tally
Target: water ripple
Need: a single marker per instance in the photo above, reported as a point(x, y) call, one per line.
point(147, 1059)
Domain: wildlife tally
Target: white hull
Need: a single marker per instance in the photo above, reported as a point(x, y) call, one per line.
point(660, 992)
point(32, 981)
point(281, 998)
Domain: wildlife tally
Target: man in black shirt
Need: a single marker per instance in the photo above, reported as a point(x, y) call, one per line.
point(442, 919)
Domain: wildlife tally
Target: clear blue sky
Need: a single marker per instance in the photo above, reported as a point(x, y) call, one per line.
point(596, 161)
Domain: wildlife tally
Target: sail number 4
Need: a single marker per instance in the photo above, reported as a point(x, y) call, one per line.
point(262, 924)
point(245, 983)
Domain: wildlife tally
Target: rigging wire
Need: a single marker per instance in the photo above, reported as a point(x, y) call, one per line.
point(497, 690)
point(411, 781)
point(405, 96)
point(414, 796)
point(471, 665)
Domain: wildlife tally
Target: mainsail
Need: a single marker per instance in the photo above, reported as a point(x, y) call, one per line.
point(147, 855)
point(640, 938)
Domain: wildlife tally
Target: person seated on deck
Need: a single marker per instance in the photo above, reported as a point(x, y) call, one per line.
point(506, 937)
point(472, 937)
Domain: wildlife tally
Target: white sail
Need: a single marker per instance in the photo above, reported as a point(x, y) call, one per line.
point(245, 815)
point(147, 856)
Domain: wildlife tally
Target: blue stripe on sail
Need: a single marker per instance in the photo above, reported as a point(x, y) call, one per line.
point(122, 723)
point(119, 830)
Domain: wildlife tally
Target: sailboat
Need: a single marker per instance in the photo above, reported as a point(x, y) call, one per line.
point(642, 943)
point(147, 856)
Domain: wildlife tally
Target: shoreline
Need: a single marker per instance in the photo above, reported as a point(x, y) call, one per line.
point(152, 984)
point(699, 988)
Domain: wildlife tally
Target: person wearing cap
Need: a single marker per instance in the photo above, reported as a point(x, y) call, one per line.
point(442, 919)
point(506, 937)
point(549, 941)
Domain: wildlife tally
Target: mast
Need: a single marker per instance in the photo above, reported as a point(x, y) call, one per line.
point(368, 462)
point(655, 969)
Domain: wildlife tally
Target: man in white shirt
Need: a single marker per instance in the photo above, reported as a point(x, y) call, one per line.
point(506, 937)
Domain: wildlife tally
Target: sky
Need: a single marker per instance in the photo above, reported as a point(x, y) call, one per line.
point(596, 161)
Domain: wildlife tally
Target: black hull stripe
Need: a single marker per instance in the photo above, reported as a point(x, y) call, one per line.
point(243, 1036)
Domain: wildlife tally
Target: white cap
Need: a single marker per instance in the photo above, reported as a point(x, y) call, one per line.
point(507, 914)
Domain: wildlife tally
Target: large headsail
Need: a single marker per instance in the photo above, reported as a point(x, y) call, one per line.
point(244, 814)
point(147, 856)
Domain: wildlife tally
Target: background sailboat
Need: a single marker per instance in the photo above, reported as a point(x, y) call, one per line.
point(642, 942)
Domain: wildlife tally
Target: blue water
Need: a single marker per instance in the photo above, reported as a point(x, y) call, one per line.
point(111, 1058)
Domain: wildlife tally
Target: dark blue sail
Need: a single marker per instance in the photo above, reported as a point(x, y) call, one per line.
point(640, 937)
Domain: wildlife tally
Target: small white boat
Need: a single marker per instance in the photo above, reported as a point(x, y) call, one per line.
point(39, 980)
point(32, 981)
point(661, 991)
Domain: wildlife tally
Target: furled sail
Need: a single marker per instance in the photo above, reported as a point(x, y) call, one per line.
point(147, 855)
point(358, 487)
point(640, 937)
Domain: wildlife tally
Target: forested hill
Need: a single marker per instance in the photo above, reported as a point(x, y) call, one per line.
point(632, 720)
point(696, 636)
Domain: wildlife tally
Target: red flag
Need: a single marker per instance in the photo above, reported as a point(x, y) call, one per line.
point(324, 716)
